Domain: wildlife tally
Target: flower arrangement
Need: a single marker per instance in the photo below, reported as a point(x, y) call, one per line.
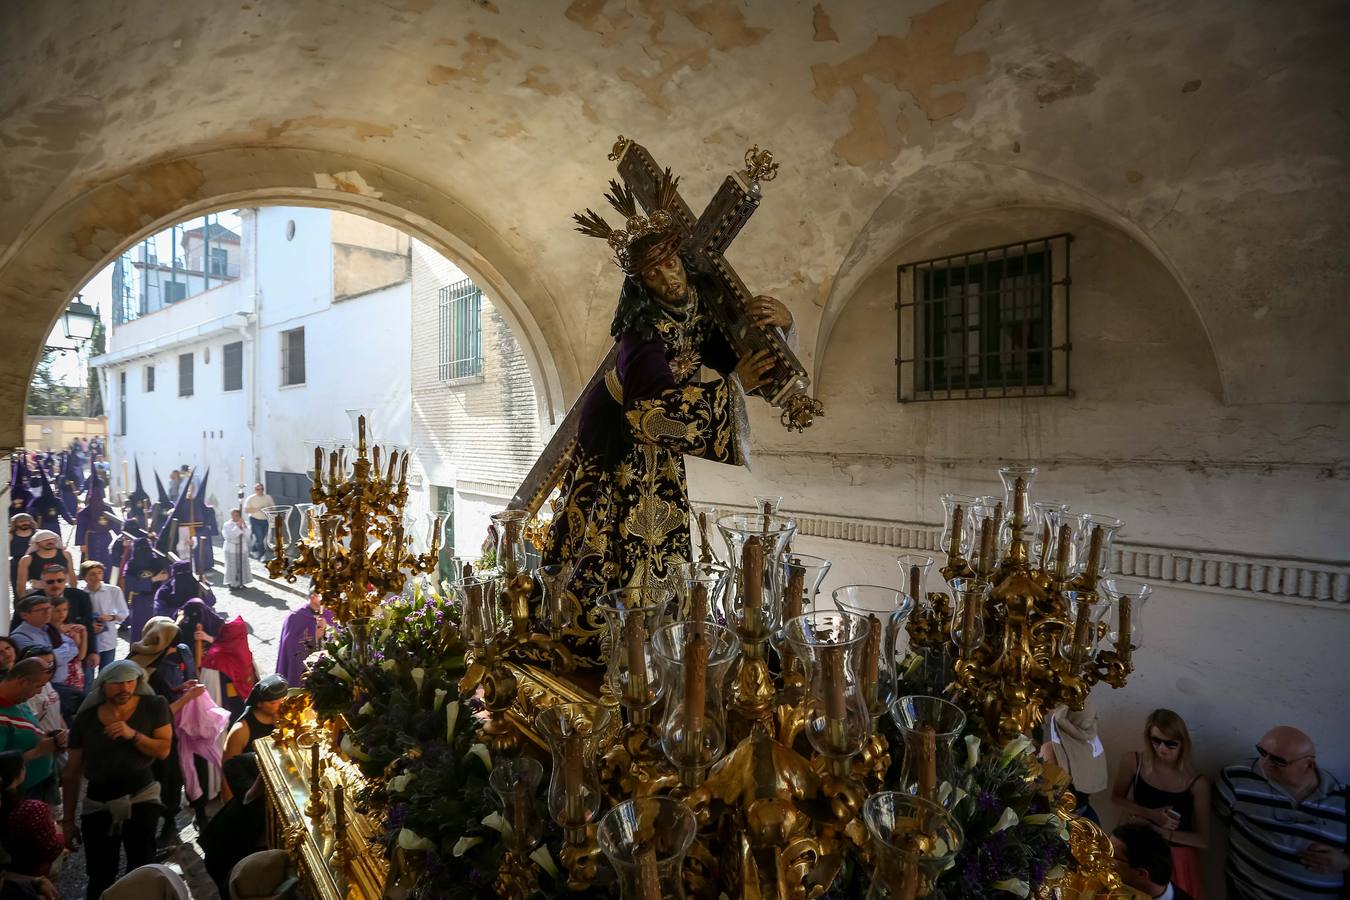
point(393, 682)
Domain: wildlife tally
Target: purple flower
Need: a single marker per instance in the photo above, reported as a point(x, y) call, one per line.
point(987, 802)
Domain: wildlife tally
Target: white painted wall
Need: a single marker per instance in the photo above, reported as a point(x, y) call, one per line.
point(284, 284)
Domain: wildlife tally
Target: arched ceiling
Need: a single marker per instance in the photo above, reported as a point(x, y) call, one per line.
point(1214, 130)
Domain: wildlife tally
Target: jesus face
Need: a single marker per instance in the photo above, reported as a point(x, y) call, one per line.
point(667, 279)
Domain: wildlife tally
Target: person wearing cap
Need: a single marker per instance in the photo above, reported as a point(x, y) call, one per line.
point(21, 529)
point(122, 729)
point(1072, 743)
point(110, 609)
point(171, 675)
point(265, 875)
point(258, 720)
point(43, 550)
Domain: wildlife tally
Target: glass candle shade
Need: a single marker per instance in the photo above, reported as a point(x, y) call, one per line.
point(1010, 476)
point(929, 727)
point(515, 781)
point(645, 841)
point(914, 571)
point(511, 555)
point(710, 579)
point(278, 527)
point(305, 522)
point(435, 531)
point(696, 659)
point(831, 645)
point(557, 611)
point(970, 596)
point(986, 513)
point(482, 616)
point(1125, 619)
point(572, 731)
point(358, 631)
point(768, 504)
point(1085, 609)
point(813, 572)
point(1046, 518)
point(455, 569)
point(755, 545)
point(889, 609)
point(632, 616)
point(914, 841)
point(1089, 525)
point(950, 504)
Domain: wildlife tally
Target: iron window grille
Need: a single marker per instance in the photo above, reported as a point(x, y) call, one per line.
point(185, 375)
point(122, 402)
point(293, 357)
point(149, 379)
point(233, 367)
point(174, 291)
point(460, 351)
point(989, 323)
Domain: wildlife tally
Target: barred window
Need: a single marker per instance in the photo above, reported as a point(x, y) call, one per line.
point(234, 366)
point(461, 335)
point(293, 357)
point(149, 379)
point(185, 374)
point(122, 402)
point(989, 323)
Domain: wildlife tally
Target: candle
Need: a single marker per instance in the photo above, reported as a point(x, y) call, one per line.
point(695, 689)
point(954, 547)
point(241, 468)
point(649, 877)
point(635, 633)
point(752, 577)
point(1080, 632)
point(704, 552)
point(970, 614)
point(872, 658)
point(1062, 549)
point(698, 605)
point(520, 813)
point(916, 584)
point(1094, 563)
point(314, 766)
point(986, 547)
point(1019, 501)
point(1045, 542)
point(768, 514)
point(1123, 642)
point(318, 468)
point(927, 761)
point(836, 709)
point(796, 587)
point(126, 478)
point(573, 809)
point(340, 813)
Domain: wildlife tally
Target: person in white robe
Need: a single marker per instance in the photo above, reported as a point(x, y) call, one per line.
point(236, 535)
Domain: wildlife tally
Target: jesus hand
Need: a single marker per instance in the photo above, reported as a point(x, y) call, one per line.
point(766, 310)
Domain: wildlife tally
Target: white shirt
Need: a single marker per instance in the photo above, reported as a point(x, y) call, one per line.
point(108, 601)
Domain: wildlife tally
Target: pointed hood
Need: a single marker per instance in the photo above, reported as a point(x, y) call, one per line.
point(139, 499)
point(95, 487)
point(194, 510)
point(164, 499)
point(164, 540)
point(20, 494)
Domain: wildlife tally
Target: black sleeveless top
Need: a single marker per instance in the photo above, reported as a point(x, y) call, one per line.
point(1150, 797)
point(40, 562)
point(256, 729)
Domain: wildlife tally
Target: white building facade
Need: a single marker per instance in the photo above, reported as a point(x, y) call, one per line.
point(244, 377)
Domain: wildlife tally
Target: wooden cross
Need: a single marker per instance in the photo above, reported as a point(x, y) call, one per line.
point(702, 251)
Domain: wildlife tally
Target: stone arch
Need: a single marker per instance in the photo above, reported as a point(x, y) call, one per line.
point(88, 229)
point(941, 193)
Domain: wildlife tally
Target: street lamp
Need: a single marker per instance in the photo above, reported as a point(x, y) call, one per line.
point(77, 323)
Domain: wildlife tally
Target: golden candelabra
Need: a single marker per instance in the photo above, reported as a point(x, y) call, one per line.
point(352, 542)
point(1023, 633)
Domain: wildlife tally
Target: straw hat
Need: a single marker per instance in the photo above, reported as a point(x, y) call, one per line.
point(158, 635)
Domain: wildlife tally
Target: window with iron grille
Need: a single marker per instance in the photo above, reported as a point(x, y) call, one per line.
point(122, 402)
point(988, 323)
point(174, 291)
point(234, 366)
point(220, 261)
point(185, 374)
point(149, 379)
point(293, 357)
point(461, 334)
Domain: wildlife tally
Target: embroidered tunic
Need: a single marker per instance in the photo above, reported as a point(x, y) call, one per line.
point(624, 515)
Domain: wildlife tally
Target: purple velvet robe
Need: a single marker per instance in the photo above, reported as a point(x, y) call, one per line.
point(143, 564)
point(181, 587)
point(297, 642)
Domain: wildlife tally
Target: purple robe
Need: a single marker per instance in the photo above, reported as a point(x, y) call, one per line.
point(20, 495)
point(297, 642)
point(94, 530)
point(48, 509)
point(181, 587)
point(143, 564)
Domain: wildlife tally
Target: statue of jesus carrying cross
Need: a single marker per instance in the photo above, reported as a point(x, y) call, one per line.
point(623, 520)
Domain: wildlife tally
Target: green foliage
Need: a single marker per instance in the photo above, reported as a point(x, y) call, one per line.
point(47, 396)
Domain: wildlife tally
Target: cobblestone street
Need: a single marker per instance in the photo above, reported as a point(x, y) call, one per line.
point(264, 604)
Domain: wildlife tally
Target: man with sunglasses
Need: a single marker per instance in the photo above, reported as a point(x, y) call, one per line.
point(1287, 835)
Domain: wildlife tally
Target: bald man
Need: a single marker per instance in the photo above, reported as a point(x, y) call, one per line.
point(1287, 835)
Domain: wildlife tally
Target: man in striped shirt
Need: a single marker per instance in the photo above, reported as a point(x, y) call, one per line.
point(1287, 834)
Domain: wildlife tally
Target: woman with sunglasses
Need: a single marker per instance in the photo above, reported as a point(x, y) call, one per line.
point(1160, 788)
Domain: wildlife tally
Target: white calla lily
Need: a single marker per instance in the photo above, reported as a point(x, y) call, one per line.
point(340, 673)
point(543, 860)
point(1014, 749)
point(440, 699)
point(1015, 886)
point(481, 751)
point(496, 821)
point(399, 784)
point(464, 845)
point(972, 751)
point(411, 840)
point(451, 715)
point(419, 675)
point(366, 709)
point(1007, 820)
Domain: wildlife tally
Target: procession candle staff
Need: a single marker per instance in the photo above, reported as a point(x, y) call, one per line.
point(619, 454)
